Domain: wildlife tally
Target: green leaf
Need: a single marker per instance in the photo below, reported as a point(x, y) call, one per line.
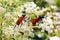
point(58, 3)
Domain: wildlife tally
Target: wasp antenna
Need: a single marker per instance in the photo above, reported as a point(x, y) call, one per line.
point(14, 26)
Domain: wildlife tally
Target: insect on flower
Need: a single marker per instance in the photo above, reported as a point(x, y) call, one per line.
point(37, 19)
point(20, 19)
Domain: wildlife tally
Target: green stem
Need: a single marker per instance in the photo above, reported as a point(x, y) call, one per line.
point(1, 31)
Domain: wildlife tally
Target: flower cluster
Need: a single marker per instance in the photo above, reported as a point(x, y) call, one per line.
point(45, 22)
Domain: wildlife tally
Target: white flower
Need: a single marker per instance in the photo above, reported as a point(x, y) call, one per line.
point(54, 7)
point(50, 1)
point(2, 10)
point(25, 5)
point(20, 8)
point(33, 4)
point(50, 31)
point(42, 26)
point(47, 24)
point(58, 28)
point(57, 14)
point(3, 23)
point(40, 35)
point(25, 27)
point(48, 14)
point(30, 4)
point(51, 26)
point(45, 9)
point(29, 10)
point(8, 31)
point(9, 2)
point(0, 4)
point(15, 19)
point(31, 34)
point(49, 20)
point(25, 39)
point(47, 28)
point(54, 38)
point(8, 16)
